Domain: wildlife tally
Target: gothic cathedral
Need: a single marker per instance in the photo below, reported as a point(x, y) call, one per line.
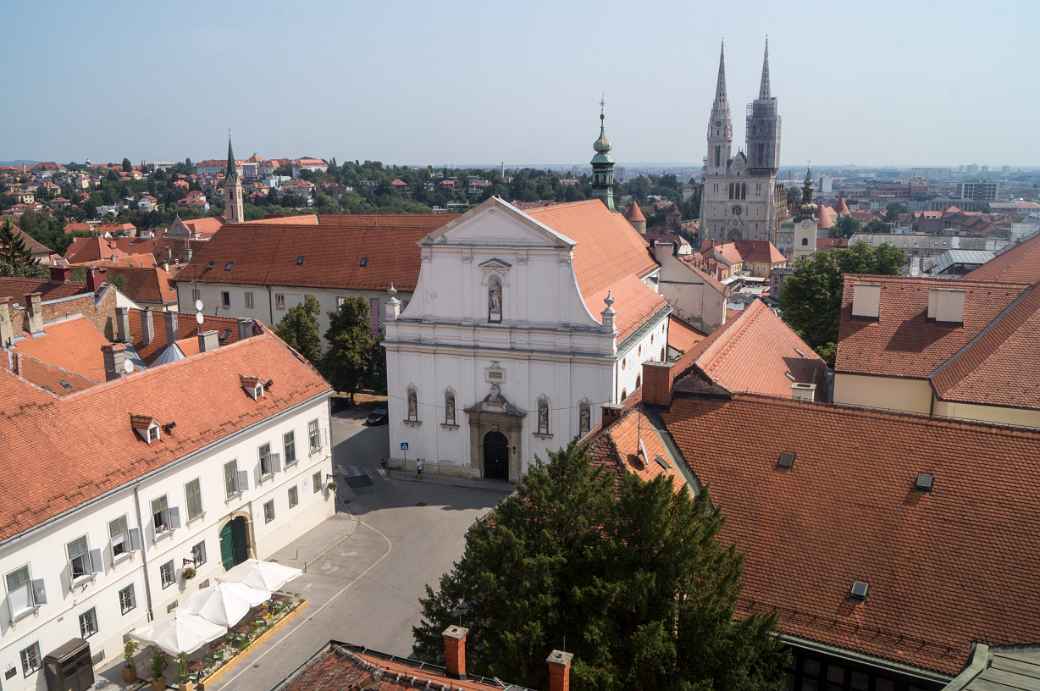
point(741, 195)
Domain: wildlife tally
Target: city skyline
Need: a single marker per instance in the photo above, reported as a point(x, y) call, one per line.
point(449, 86)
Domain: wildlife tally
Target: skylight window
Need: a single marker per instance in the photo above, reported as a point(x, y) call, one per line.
point(228, 266)
point(364, 262)
point(859, 590)
point(786, 460)
point(924, 482)
point(299, 260)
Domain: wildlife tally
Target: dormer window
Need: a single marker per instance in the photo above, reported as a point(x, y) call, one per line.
point(146, 427)
point(254, 386)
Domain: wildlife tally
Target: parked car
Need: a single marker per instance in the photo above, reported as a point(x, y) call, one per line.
point(377, 417)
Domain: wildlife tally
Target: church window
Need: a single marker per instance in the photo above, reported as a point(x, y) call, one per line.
point(805, 241)
point(584, 418)
point(718, 155)
point(543, 415)
point(743, 190)
point(495, 300)
point(758, 188)
point(413, 404)
point(449, 407)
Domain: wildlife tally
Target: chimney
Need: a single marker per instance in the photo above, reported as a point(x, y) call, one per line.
point(657, 383)
point(187, 254)
point(455, 651)
point(60, 274)
point(610, 413)
point(171, 326)
point(95, 279)
point(149, 326)
point(115, 356)
point(123, 324)
point(34, 312)
point(208, 340)
point(559, 670)
point(6, 325)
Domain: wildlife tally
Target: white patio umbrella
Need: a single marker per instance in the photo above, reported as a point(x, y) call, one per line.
point(224, 604)
point(181, 633)
point(262, 575)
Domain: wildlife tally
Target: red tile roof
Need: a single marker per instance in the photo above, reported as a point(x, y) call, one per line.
point(35, 247)
point(150, 285)
point(902, 342)
point(340, 666)
point(746, 251)
point(74, 345)
point(756, 352)
point(617, 448)
point(332, 253)
point(96, 248)
point(302, 219)
point(1020, 264)
point(944, 569)
point(204, 226)
point(48, 377)
point(87, 435)
point(18, 288)
point(608, 255)
point(1001, 366)
point(634, 213)
point(682, 336)
point(187, 327)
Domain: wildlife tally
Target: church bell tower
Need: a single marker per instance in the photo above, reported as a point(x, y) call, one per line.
point(234, 209)
point(763, 127)
point(720, 125)
point(602, 163)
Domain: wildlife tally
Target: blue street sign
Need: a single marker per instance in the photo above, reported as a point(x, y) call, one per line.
point(404, 446)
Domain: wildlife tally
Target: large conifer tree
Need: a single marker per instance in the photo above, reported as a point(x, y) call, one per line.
point(15, 257)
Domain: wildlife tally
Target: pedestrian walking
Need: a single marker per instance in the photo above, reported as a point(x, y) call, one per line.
point(419, 468)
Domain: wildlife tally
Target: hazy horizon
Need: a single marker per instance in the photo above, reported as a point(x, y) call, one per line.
point(905, 86)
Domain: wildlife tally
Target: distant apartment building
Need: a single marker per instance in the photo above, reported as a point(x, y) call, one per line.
point(979, 191)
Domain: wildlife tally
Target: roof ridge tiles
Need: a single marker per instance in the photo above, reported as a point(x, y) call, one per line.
point(923, 420)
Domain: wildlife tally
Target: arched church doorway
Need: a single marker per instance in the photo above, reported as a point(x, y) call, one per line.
point(496, 456)
point(234, 542)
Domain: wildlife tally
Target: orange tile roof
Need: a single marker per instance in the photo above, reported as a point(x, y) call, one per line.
point(18, 288)
point(826, 217)
point(755, 352)
point(331, 252)
point(73, 344)
point(87, 434)
point(682, 336)
point(204, 226)
point(945, 569)
point(1001, 365)
point(340, 666)
point(93, 248)
point(691, 262)
point(187, 328)
point(44, 375)
point(902, 342)
point(303, 219)
point(634, 213)
point(617, 449)
point(35, 247)
point(149, 284)
point(609, 255)
point(1020, 264)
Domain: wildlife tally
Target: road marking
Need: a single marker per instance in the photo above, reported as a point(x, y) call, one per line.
point(337, 594)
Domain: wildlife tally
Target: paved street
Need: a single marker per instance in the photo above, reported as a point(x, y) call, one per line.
point(366, 568)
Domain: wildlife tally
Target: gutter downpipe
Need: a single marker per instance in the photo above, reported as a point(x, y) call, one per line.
point(144, 552)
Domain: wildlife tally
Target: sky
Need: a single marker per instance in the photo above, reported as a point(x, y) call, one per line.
point(909, 83)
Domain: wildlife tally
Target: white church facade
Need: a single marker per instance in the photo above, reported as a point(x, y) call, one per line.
point(524, 323)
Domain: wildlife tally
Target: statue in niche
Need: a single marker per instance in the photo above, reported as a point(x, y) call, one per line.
point(495, 301)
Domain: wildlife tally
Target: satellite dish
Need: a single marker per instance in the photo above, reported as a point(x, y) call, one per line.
point(198, 305)
point(199, 318)
point(128, 366)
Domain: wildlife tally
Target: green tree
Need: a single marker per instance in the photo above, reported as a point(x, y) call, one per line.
point(810, 298)
point(893, 210)
point(627, 575)
point(348, 361)
point(15, 257)
point(299, 328)
point(127, 166)
point(846, 227)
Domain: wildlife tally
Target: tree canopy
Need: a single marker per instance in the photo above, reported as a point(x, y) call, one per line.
point(299, 328)
point(15, 258)
point(627, 575)
point(352, 347)
point(811, 296)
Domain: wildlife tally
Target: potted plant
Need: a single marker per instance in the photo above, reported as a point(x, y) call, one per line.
point(129, 671)
point(188, 573)
point(183, 682)
point(159, 663)
point(331, 486)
